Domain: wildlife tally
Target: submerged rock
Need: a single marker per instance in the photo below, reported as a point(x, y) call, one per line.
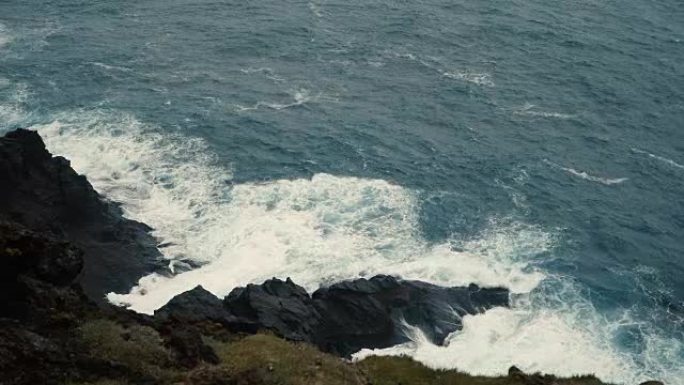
point(342, 318)
point(45, 194)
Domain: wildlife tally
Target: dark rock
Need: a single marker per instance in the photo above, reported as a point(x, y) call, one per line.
point(514, 371)
point(343, 318)
point(186, 342)
point(37, 275)
point(45, 194)
point(193, 306)
point(22, 351)
point(652, 383)
point(371, 313)
point(276, 305)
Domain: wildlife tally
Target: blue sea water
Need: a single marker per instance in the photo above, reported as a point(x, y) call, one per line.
point(533, 144)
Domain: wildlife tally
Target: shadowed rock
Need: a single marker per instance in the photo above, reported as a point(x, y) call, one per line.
point(45, 194)
point(373, 313)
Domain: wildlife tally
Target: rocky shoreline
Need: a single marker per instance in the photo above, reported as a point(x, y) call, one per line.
point(64, 247)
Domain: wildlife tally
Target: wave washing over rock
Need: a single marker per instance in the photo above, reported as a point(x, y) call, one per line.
point(327, 229)
point(52, 333)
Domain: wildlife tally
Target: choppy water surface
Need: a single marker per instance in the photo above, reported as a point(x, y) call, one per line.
point(533, 144)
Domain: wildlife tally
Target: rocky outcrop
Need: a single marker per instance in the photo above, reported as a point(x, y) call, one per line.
point(342, 318)
point(373, 313)
point(45, 194)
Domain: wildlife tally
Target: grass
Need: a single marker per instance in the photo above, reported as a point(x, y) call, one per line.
point(406, 371)
point(269, 360)
point(139, 348)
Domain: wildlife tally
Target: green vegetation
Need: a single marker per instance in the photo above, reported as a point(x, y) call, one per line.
point(276, 361)
point(138, 348)
point(269, 360)
point(405, 371)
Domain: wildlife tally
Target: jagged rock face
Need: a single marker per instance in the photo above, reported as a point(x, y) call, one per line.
point(371, 313)
point(343, 318)
point(45, 194)
point(275, 305)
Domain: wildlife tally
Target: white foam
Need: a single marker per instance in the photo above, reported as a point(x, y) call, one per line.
point(479, 78)
point(434, 63)
point(12, 110)
point(586, 176)
point(300, 96)
point(331, 228)
point(660, 158)
point(529, 110)
point(109, 67)
point(315, 8)
point(266, 71)
point(558, 333)
point(162, 180)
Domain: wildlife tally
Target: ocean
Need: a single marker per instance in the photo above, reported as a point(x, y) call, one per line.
point(537, 145)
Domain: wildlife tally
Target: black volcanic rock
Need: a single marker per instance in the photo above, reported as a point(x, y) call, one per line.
point(342, 318)
point(193, 306)
point(45, 194)
point(276, 305)
point(370, 313)
point(37, 273)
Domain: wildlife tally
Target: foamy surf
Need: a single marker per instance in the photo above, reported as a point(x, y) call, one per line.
point(329, 228)
point(12, 99)
point(547, 341)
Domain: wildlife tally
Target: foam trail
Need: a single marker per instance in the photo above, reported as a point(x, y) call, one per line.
point(315, 9)
point(481, 79)
point(593, 178)
point(268, 72)
point(528, 110)
point(109, 67)
point(328, 228)
point(586, 176)
point(659, 158)
point(433, 63)
point(300, 97)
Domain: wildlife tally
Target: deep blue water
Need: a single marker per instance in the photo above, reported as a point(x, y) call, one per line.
point(560, 121)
